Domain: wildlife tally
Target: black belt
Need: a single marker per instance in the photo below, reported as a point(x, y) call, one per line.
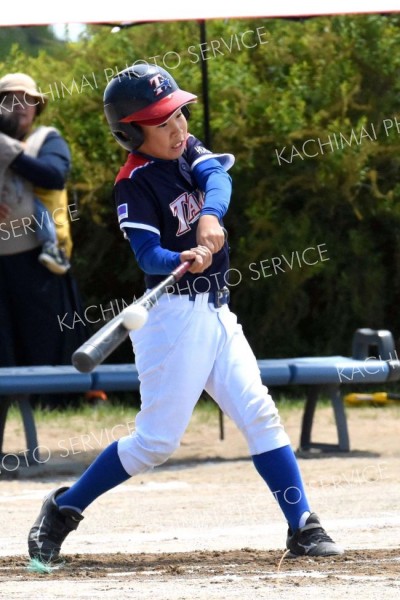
point(218, 298)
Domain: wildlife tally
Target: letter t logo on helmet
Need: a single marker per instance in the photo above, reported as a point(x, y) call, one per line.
point(160, 84)
point(141, 95)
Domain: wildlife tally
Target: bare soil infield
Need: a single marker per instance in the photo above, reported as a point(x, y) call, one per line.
point(203, 526)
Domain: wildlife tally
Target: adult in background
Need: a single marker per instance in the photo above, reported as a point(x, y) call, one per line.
point(34, 163)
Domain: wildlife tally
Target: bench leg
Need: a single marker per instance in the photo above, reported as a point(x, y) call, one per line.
point(221, 425)
point(5, 402)
point(28, 421)
point(313, 393)
point(308, 418)
point(341, 420)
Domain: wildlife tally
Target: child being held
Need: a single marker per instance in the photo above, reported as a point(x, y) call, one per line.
point(52, 255)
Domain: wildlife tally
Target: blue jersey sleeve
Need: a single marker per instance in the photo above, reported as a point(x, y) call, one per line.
point(217, 185)
point(150, 256)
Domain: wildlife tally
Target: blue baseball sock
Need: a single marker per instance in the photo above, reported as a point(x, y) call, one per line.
point(103, 474)
point(280, 471)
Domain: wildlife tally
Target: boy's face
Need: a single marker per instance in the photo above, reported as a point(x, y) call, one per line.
point(166, 141)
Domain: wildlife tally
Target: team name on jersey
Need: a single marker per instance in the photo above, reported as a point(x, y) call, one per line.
point(186, 208)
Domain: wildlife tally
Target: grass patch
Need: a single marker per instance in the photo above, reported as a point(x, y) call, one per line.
point(102, 413)
point(115, 410)
point(77, 433)
point(80, 419)
point(286, 403)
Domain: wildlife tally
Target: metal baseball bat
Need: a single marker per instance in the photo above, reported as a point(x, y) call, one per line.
point(100, 345)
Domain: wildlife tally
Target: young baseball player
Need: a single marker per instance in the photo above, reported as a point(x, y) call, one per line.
point(171, 196)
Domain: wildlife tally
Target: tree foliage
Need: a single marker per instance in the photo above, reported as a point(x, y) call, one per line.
point(28, 39)
point(310, 110)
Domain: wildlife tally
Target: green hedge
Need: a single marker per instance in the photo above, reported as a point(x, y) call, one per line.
point(310, 110)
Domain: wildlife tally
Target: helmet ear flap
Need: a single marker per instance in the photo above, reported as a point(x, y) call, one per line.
point(130, 136)
point(186, 112)
point(137, 137)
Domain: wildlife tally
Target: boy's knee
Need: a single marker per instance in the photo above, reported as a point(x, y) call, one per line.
point(139, 455)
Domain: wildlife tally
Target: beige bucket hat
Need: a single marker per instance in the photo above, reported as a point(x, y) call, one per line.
point(19, 82)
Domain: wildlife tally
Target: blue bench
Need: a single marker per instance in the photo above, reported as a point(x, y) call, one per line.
point(320, 376)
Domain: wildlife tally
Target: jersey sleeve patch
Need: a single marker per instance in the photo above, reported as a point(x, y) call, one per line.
point(122, 211)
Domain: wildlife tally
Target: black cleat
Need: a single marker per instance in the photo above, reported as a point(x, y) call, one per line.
point(311, 540)
point(51, 528)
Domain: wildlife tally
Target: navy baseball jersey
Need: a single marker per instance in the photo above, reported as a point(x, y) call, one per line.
point(163, 197)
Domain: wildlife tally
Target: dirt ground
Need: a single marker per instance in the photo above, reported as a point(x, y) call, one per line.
point(203, 526)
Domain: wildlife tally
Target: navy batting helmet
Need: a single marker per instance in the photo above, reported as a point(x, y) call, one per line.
point(141, 95)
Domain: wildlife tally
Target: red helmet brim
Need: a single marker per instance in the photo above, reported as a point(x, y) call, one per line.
point(159, 112)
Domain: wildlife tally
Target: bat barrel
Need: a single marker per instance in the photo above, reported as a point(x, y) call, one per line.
point(100, 345)
point(86, 358)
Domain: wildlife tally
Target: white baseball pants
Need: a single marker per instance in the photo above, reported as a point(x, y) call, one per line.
point(186, 347)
